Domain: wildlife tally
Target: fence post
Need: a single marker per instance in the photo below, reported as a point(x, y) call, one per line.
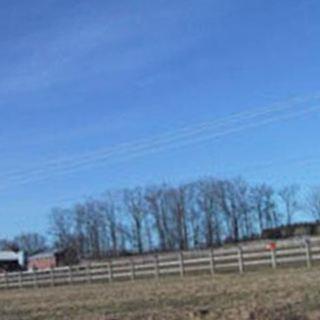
point(307, 244)
point(181, 264)
point(110, 271)
point(273, 252)
point(88, 272)
point(6, 279)
point(132, 267)
point(35, 278)
point(212, 263)
point(52, 276)
point(156, 267)
point(70, 275)
point(240, 260)
point(20, 279)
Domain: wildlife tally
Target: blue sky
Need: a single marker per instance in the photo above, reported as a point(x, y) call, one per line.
point(80, 77)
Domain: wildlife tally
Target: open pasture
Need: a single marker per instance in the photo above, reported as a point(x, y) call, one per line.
point(286, 294)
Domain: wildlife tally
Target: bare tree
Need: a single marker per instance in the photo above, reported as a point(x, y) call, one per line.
point(264, 207)
point(193, 215)
point(156, 206)
point(126, 239)
point(208, 205)
point(10, 245)
point(177, 205)
point(233, 199)
point(134, 204)
point(61, 227)
point(95, 228)
point(79, 221)
point(313, 202)
point(110, 210)
point(31, 243)
point(289, 197)
point(244, 206)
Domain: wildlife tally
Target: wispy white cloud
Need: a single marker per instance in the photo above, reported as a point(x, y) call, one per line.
point(48, 60)
point(116, 44)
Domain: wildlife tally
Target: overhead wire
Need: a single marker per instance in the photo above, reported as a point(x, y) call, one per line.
point(152, 147)
point(177, 134)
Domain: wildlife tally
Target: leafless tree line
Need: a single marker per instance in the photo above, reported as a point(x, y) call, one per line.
point(203, 213)
point(29, 242)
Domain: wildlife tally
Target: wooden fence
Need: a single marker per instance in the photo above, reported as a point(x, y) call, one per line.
point(234, 259)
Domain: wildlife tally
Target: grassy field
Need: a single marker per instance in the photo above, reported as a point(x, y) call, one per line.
point(283, 294)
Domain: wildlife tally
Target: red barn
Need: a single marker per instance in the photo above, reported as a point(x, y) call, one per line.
point(47, 260)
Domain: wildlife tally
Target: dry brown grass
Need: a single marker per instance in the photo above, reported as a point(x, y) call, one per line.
point(278, 295)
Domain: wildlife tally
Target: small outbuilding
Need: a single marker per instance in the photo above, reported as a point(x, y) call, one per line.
point(12, 261)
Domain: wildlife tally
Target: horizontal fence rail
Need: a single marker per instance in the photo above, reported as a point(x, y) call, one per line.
point(233, 259)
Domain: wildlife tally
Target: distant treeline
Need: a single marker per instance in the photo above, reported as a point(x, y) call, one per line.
point(293, 230)
point(203, 213)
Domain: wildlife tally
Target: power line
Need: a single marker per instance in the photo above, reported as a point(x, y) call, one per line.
point(293, 100)
point(156, 147)
point(149, 148)
point(181, 133)
point(301, 162)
